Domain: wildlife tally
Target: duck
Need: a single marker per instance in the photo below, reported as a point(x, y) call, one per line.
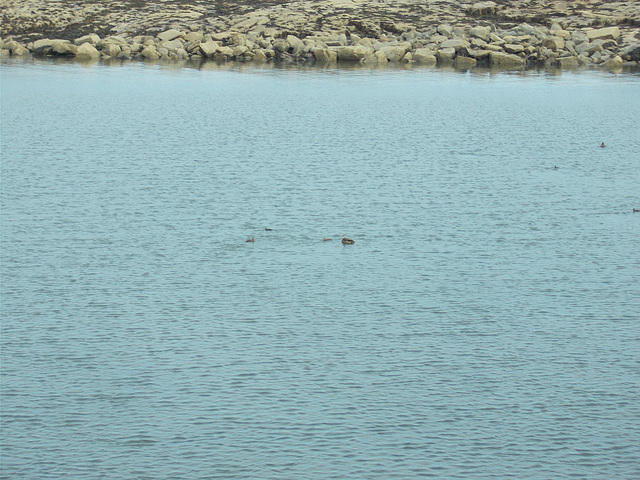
point(347, 241)
point(327, 239)
point(266, 229)
point(636, 210)
point(251, 240)
point(602, 145)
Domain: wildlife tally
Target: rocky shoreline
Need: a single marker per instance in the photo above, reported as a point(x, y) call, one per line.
point(502, 34)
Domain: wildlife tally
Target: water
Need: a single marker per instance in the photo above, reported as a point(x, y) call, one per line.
point(484, 325)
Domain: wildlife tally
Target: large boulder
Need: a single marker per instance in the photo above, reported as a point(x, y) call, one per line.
point(354, 53)
point(631, 53)
point(111, 49)
point(169, 35)
point(445, 54)
point(465, 62)
point(455, 43)
point(603, 33)
point(91, 39)
point(86, 51)
point(395, 53)
point(424, 56)
point(613, 63)
point(209, 48)
point(553, 43)
point(325, 55)
point(483, 33)
point(505, 60)
point(296, 45)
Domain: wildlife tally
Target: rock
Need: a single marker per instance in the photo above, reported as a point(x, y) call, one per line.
point(424, 56)
point(631, 53)
point(408, 58)
point(193, 37)
point(325, 55)
point(553, 43)
point(296, 45)
point(568, 62)
point(589, 48)
point(614, 63)
point(353, 53)
point(42, 43)
point(446, 30)
point(505, 60)
point(479, 54)
point(465, 62)
point(63, 47)
point(91, 39)
point(481, 32)
point(482, 9)
point(445, 55)
point(603, 33)
point(111, 49)
point(88, 52)
point(395, 53)
point(172, 45)
point(209, 48)
point(150, 53)
point(455, 43)
point(169, 35)
point(513, 48)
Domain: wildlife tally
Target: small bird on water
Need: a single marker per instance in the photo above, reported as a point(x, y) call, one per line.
point(347, 241)
point(602, 145)
point(251, 240)
point(327, 239)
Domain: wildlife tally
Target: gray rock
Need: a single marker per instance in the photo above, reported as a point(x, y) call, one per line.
point(603, 33)
point(353, 53)
point(445, 55)
point(483, 33)
point(424, 56)
point(296, 44)
point(513, 48)
point(465, 62)
point(325, 55)
point(553, 43)
point(480, 9)
point(455, 43)
point(613, 63)
point(88, 52)
point(631, 53)
point(446, 30)
point(395, 53)
point(209, 49)
point(169, 35)
point(568, 62)
point(91, 39)
point(505, 60)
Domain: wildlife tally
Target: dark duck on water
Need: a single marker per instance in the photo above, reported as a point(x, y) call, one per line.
point(347, 241)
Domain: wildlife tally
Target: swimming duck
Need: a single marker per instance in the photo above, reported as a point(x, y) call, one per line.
point(251, 240)
point(602, 145)
point(347, 241)
point(267, 229)
point(327, 239)
point(635, 210)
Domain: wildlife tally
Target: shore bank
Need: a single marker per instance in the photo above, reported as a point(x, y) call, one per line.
point(502, 34)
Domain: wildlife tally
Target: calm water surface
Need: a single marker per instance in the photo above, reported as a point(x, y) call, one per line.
point(486, 323)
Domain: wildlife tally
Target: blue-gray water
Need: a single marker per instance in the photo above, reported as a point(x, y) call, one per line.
point(486, 323)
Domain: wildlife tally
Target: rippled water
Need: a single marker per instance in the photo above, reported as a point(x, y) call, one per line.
point(484, 325)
